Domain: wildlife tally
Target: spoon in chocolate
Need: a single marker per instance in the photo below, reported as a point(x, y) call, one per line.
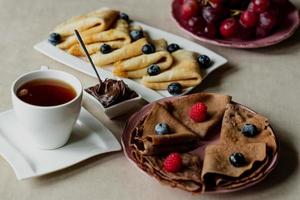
point(87, 54)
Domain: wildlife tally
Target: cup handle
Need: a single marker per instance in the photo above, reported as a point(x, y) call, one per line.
point(43, 68)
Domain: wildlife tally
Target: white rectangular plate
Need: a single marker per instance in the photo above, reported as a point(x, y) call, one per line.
point(89, 138)
point(148, 94)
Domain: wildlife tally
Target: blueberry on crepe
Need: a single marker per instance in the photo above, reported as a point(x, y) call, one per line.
point(153, 70)
point(148, 49)
point(105, 48)
point(136, 34)
point(204, 61)
point(175, 88)
point(125, 17)
point(173, 47)
point(162, 128)
point(54, 38)
point(237, 159)
point(249, 130)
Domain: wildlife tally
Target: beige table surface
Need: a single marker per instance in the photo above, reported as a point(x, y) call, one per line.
point(266, 80)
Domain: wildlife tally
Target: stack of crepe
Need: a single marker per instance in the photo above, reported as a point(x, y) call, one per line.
point(211, 171)
point(104, 26)
point(150, 149)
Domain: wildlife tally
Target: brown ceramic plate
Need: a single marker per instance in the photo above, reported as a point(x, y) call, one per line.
point(288, 27)
point(214, 138)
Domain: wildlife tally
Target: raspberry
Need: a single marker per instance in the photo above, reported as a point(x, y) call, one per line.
point(172, 163)
point(198, 112)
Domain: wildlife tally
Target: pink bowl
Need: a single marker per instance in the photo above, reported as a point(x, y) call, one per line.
point(135, 119)
point(289, 26)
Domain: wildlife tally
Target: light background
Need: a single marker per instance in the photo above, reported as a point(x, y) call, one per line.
point(266, 80)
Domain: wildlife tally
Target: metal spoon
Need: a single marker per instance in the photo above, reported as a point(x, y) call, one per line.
point(87, 54)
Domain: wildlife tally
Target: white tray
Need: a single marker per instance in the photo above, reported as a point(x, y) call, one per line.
point(148, 94)
point(89, 138)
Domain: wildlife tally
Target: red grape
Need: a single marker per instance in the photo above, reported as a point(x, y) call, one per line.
point(211, 14)
point(267, 20)
point(237, 4)
point(210, 30)
point(248, 19)
point(251, 7)
point(216, 3)
point(213, 18)
point(260, 6)
point(280, 2)
point(246, 33)
point(262, 32)
point(189, 9)
point(196, 24)
point(229, 28)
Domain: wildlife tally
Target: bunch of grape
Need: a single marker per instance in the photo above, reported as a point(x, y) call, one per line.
point(231, 19)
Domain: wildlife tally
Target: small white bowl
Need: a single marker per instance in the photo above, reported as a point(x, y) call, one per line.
point(114, 110)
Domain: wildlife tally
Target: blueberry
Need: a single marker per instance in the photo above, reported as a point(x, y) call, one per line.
point(173, 47)
point(237, 159)
point(153, 70)
point(124, 16)
point(54, 38)
point(175, 88)
point(136, 34)
point(148, 49)
point(249, 130)
point(162, 129)
point(204, 61)
point(105, 48)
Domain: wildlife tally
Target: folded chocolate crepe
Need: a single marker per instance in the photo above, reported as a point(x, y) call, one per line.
point(179, 139)
point(127, 51)
point(236, 117)
point(257, 172)
point(116, 37)
point(184, 70)
point(216, 104)
point(217, 158)
point(188, 178)
point(102, 18)
point(219, 172)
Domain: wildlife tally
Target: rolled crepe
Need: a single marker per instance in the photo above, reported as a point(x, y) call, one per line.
point(216, 104)
point(116, 37)
point(234, 119)
point(94, 47)
point(184, 70)
point(136, 67)
point(160, 44)
point(179, 138)
point(103, 17)
point(127, 51)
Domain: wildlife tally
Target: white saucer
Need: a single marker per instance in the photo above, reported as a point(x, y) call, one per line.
point(89, 138)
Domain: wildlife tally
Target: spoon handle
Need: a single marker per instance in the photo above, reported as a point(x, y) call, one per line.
point(87, 54)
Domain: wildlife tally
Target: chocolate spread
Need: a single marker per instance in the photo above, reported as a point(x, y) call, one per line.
point(111, 92)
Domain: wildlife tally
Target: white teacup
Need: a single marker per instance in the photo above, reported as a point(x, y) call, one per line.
point(47, 127)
